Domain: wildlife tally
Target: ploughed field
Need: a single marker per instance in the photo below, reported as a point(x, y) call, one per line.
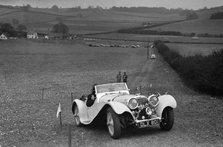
point(28, 113)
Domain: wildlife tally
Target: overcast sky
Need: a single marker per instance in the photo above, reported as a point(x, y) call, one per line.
point(190, 4)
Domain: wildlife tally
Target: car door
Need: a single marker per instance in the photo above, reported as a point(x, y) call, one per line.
point(94, 109)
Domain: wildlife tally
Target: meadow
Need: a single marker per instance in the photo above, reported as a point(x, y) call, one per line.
point(198, 26)
point(82, 21)
point(60, 68)
point(194, 49)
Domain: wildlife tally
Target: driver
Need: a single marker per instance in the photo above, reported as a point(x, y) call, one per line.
point(91, 97)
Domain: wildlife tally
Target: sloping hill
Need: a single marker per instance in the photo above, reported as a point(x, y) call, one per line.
point(82, 20)
point(201, 25)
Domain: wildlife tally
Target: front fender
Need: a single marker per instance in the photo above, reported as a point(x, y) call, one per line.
point(165, 101)
point(82, 109)
point(119, 108)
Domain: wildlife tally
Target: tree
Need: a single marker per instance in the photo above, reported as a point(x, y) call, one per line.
point(60, 28)
point(192, 15)
point(21, 28)
point(55, 8)
point(8, 29)
point(26, 8)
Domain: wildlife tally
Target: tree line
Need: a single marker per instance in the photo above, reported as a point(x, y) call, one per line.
point(15, 29)
point(218, 15)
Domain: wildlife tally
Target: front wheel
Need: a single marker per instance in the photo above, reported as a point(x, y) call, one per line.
point(167, 119)
point(76, 116)
point(113, 124)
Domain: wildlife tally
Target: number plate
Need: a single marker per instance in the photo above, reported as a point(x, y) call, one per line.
point(155, 122)
point(148, 123)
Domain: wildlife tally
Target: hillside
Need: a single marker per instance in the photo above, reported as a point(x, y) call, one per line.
point(201, 25)
point(84, 20)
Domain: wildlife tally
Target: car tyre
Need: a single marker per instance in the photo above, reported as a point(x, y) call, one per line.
point(167, 119)
point(76, 116)
point(113, 124)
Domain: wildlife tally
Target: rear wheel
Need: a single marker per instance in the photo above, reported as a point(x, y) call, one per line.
point(76, 116)
point(167, 119)
point(113, 124)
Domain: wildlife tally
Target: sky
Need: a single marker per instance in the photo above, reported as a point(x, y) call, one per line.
point(188, 4)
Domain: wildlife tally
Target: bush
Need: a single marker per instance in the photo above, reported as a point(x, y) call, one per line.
point(218, 15)
point(202, 73)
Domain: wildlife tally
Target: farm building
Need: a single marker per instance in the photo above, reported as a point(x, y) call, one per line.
point(32, 35)
point(3, 37)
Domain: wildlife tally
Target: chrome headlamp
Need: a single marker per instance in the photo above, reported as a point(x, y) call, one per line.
point(153, 100)
point(132, 103)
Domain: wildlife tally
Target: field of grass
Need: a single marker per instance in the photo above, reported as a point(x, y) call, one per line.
point(124, 36)
point(195, 26)
point(201, 25)
point(91, 21)
point(194, 49)
point(61, 68)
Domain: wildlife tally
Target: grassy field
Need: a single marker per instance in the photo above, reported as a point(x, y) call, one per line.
point(91, 21)
point(194, 49)
point(59, 67)
point(201, 25)
point(123, 36)
point(195, 26)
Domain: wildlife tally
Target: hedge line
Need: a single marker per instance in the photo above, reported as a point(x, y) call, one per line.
point(201, 73)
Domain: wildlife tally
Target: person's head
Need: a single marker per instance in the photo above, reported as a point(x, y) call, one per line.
point(119, 72)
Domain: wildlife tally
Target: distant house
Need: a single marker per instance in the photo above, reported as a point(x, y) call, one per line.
point(3, 37)
point(32, 35)
point(195, 38)
point(46, 37)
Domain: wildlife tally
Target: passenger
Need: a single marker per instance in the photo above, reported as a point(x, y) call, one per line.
point(91, 97)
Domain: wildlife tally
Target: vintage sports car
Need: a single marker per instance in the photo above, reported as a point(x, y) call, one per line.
point(118, 108)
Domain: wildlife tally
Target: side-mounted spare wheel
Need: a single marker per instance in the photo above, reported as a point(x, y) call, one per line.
point(167, 119)
point(76, 115)
point(113, 124)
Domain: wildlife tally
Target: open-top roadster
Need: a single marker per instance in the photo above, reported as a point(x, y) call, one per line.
point(113, 103)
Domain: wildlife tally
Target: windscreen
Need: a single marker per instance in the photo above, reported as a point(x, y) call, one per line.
point(111, 87)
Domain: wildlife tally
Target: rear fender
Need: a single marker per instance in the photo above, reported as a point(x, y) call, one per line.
point(82, 107)
point(165, 101)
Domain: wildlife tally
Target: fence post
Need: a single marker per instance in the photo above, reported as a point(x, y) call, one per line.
point(43, 93)
point(71, 97)
point(69, 135)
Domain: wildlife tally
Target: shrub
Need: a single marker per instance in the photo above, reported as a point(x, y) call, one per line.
point(218, 15)
point(202, 73)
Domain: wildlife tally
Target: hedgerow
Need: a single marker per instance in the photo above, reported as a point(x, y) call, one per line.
point(201, 73)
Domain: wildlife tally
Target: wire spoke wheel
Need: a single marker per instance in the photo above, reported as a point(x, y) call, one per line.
point(113, 124)
point(110, 123)
point(167, 119)
point(76, 116)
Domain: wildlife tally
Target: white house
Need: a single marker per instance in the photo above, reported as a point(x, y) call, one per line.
point(32, 35)
point(3, 37)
